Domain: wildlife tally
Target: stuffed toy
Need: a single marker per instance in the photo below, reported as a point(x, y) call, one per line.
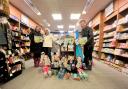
point(82, 74)
point(72, 62)
point(79, 62)
point(56, 63)
point(61, 73)
point(75, 76)
point(67, 76)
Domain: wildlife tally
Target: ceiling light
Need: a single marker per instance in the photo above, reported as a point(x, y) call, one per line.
point(49, 25)
point(71, 26)
point(60, 26)
point(38, 13)
point(70, 31)
point(57, 16)
point(32, 6)
point(84, 12)
point(75, 16)
point(61, 31)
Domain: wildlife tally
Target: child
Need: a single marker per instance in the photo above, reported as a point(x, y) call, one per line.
point(56, 63)
point(72, 62)
point(81, 72)
point(46, 66)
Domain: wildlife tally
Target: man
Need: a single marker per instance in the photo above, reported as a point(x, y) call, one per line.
point(36, 45)
point(88, 47)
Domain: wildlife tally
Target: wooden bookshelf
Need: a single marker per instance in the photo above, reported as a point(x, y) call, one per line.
point(113, 34)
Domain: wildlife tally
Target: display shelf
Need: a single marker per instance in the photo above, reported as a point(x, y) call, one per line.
point(15, 63)
point(113, 65)
point(109, 37)
point(107, 52)
point(24, 25)
point(111, 17)
point(125, 56)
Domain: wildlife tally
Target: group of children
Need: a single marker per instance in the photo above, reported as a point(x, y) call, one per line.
point(63, 68)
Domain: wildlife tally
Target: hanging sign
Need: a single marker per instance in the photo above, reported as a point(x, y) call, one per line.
point(24, 19)
point(109, 9)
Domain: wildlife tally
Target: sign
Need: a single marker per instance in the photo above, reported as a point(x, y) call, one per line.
point(24, 19)
point(14, 17)
point(109, 9)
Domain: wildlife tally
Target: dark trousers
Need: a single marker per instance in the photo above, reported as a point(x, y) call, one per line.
point(88, 56)
point(47, 51)
point(36, 58)
point(36, 62)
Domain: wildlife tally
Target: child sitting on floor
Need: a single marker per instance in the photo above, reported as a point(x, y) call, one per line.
point(56, 63)
point(46, 66)
point(80, 70)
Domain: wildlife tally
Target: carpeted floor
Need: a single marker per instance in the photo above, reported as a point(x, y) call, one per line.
point(101, 77)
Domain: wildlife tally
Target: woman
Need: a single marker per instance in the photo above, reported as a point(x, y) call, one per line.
point(36, 45)
point(48, 42)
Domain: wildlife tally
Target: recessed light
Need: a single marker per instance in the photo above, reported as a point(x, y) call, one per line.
point(49, 25)
point(71, 26)
point(75, 16)
point(84, 12)
point(38, 13)
point(57, 16)
point(60, 26)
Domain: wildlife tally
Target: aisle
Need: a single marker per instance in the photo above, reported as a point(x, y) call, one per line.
point(102, 77)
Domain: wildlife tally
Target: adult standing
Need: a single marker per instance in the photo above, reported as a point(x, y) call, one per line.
point(36, 45)
point(88, 47)
point(48, 42)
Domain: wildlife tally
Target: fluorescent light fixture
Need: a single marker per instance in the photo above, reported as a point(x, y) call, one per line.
point(32, 6)
point(57, 16)
point(75, 16)
point(61, 31)
point(71, 26)
point(70, 31)
point(60, 26)
point(84, 12)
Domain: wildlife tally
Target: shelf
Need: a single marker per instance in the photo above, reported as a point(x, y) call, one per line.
point(95, 57)
point(107, 41)
point(96, 35)
point(13, 64)
point(109, 37)
point(96, 50)
point(122, 48)
point(13, 19)
point(108, 52)
point(113, 17)
point(107, 47)
point(113, 65)
point(122, 39)
point(123, 31)
point(110, 30)
point(121, 55)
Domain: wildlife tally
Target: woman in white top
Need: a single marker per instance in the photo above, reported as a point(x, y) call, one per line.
point(48, 42)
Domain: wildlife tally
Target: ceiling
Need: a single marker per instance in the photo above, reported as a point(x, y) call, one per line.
point(65, 7)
